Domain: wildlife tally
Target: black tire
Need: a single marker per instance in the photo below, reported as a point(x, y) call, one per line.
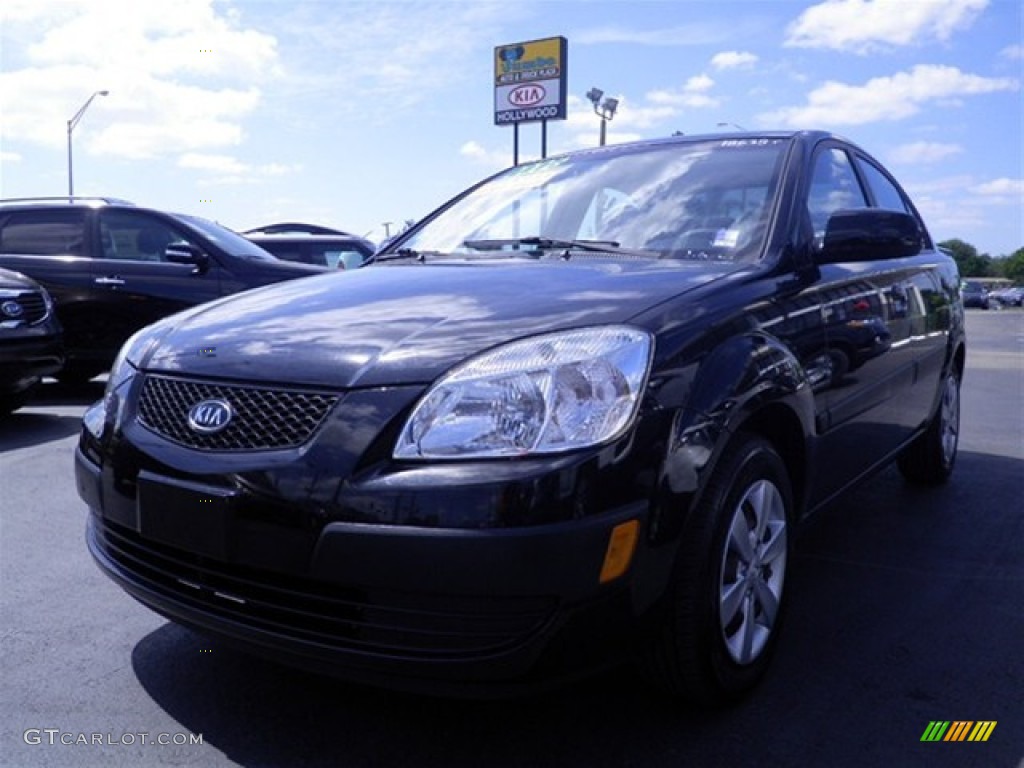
point(929, 460)
point(698, 656)
point(840, 363)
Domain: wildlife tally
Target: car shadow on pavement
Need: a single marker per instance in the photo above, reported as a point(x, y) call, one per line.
point(24, 428)
point(876, 616)
point(32, 425)
point(57, 393)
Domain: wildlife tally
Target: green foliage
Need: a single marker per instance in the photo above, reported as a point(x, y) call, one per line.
point(968, 260)
point(1013, 266)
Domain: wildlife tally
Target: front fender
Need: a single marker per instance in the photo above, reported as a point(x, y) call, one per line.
point(740, 379)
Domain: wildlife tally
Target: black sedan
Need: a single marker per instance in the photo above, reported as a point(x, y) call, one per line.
point(570, 418)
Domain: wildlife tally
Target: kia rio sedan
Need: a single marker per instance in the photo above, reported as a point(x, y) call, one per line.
point(569, 419)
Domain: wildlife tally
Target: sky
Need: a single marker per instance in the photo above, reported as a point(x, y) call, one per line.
point(365, 115)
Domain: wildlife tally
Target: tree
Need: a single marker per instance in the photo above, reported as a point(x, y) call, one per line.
point(1013, 266)
point(968, 261)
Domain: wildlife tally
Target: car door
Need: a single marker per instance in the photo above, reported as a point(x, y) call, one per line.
point(137, 284)
point(870, 317)
point(926, 302)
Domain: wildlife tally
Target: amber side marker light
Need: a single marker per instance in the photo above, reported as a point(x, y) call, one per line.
point(621, 546)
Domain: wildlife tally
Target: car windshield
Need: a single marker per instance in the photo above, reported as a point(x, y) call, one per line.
point(230, 241)
point(695, 200)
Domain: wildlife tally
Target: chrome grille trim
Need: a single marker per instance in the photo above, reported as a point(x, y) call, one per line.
point(33, 305)
point(266, 418)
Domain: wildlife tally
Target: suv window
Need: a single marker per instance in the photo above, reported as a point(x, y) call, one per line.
point(44, 232)
point(885, 192)
point(834, 187)
point(132, 236)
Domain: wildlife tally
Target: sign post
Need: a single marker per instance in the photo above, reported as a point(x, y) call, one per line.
point(530, 83)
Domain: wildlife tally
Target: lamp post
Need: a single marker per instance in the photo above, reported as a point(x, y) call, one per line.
point(71, 126)
point(605, 109)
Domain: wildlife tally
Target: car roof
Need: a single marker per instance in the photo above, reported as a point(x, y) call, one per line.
point(295, 228)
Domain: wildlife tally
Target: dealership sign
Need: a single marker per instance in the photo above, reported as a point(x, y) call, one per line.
point(530, 81)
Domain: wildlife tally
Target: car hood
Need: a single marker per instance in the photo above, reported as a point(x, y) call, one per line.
point(402, 324)
point(17, 281)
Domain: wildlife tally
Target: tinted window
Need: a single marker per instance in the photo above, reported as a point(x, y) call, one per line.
point(834, 187)
point(885, 192)
point(231, 242)
point(136, 236)
point(44, 232)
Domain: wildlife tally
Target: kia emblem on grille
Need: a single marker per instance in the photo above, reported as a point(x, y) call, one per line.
point(12, 309)
point(208, 417)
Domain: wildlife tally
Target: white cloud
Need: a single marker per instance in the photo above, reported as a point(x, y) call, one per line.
point(862, 26)
point(733, 60)
point(1013, 52)
point(387, 55)
point(1004, 187)
point(686, 34)
point(219, 163)
point(494, 159)
point(693, 95)
point(923, 152)
point(172, 77)
point(885, 98)
point(9, 157)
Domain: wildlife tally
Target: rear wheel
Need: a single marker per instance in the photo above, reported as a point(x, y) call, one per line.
point(930, 458)
point(727, 600)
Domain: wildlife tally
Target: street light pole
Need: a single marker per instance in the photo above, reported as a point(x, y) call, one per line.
point(71, 126)
point(604, 109)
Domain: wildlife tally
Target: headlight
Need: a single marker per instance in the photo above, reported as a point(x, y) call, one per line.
point(545, 394)
point(107, 412)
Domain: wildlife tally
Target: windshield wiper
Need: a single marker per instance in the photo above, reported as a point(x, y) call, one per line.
point(552, 243)
point(406, 253)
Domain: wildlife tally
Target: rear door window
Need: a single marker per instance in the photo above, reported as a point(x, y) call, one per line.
point(44, 233)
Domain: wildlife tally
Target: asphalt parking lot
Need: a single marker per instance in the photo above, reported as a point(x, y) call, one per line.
point(907, 608)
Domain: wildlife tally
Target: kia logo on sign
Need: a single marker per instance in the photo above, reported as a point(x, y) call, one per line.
point(210, 416)
point(527, 95)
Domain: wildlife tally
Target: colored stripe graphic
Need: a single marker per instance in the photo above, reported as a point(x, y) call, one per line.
point(982, 730)
point(958, 730)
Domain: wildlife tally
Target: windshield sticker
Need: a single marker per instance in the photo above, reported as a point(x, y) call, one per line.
point(737, 143)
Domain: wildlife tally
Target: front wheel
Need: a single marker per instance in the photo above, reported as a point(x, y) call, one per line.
point(930, 458)
point(727, 600)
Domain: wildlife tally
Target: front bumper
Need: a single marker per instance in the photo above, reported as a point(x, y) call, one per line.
point(24, 361)
point(477, 611)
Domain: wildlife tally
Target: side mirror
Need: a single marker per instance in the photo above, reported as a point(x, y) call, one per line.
point(867, 234)
point(186, 253)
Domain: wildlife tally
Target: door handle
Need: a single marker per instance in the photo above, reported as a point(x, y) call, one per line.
point(109, 281)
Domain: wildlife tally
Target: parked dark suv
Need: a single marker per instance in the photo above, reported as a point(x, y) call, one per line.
point(30, 339)
point(571, 417)
point(312, 244)
point(113, 267)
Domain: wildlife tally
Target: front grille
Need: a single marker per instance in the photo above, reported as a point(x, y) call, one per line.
point(264, 418)
point(32, 303)
point(371, 621)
